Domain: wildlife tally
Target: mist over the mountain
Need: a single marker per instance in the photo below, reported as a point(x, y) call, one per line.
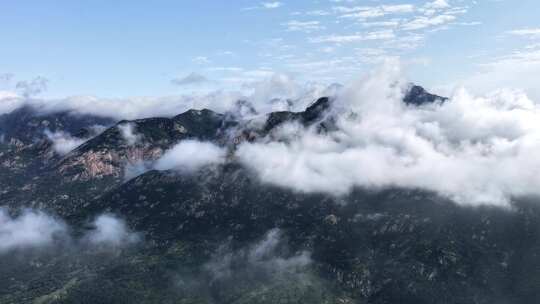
point(377, 191)
point(263, 152)
point(475, 150)
point(278, 92)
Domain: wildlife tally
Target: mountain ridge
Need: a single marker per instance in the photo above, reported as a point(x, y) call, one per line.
point(221, 235)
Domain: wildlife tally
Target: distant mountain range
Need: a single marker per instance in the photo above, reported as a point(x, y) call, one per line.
point(219, 235)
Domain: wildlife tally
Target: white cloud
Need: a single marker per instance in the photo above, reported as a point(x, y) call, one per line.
point(9, 101)
point(127, 108)
point(422, 22)
point(202, 60)
point(375, 35)
point(271, 5)
point(37, 229)
point(111, 231)
point(303, 26)
point(472, 149)
point(437, 4)
point(190, 155)
point(516, 70)
point(134, 169)
point(127, 130)
point(281, 92)
point(265, 253)
point(265, 5)
point(63, 142)
point(30, 229)
point(431, 8)
point(258, 87)
point(529, 32)
point(318, 13)
point(366, 12)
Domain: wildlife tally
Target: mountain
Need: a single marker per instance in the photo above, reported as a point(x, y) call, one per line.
point(418, 96)
point(220, 235)
point(27, 124)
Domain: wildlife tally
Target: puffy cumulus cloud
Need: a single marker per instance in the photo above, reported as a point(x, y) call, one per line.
point(474, 150)
point(190, 155)
point(110, 230)
point(29, 229)
point(63, 142)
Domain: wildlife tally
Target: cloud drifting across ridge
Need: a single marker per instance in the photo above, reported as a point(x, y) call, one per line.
point(190, 155)
point(128, 133)
point(474, 150)
point(63, 142)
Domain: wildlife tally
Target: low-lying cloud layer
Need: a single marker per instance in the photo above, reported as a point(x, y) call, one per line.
point(37, 229)
point(29, 229)
point(475, 150)
point(472, 149)
point(282, 90)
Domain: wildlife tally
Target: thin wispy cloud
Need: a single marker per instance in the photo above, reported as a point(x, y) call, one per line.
point(303, 26)
point(528, 32)
point(265, 5)
point(271, 5)
point(423, 22)
point(282, 40)
point(375, 35)
point(201, 60)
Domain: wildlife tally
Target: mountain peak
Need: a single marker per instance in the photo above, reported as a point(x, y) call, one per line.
point(417, 95)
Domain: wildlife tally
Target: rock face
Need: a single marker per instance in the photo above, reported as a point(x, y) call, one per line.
point(418, 96)
point(219, 235)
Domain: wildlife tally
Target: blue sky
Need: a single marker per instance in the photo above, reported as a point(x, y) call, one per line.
point(150, 48)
